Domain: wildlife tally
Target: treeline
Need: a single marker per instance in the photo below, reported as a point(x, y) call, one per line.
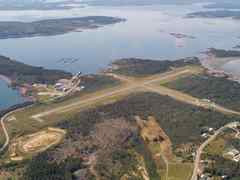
point(143, 67)
point(21, 73)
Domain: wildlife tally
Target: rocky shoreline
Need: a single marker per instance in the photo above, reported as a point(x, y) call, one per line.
point(22, 89)
point(6, 79)
point(214, 65)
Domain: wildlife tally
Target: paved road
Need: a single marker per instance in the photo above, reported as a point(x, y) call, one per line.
point(5, 132)
point(202, 147)
point(2, 121)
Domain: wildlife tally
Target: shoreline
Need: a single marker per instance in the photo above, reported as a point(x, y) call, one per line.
point(6, 79)
point(214, 65)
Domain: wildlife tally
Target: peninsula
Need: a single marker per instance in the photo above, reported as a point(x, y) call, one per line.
point(22, 75)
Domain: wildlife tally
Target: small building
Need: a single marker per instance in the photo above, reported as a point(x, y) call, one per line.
point(224, 176)
point(233, 152)
point(204, 135)
point(236, 158)
point(206, 100)
point(38, 85)
point(205, 177)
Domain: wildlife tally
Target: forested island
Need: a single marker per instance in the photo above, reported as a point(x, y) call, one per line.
point(222, 53)
point(50, 27)
point(215, 14)
point(223, 5)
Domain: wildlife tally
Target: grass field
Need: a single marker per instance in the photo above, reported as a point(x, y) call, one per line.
point(216, 147)
point(180, 171)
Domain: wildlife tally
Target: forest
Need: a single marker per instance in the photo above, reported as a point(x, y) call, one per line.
point(144, 67)
point(116, 154)
point(50, 27)
point(217, 89)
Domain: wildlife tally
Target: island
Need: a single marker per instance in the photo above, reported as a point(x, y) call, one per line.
point(223, 5)
point(222, 53)
point(182, 36)
point(236, 47)
point(50, 27)
point(215, 14)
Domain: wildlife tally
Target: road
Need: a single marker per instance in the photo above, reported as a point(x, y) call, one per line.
point(202, 147)
point(5, 132)
point(2, 121)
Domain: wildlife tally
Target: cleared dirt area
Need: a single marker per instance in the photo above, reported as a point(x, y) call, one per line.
point(151, 132)
point(34, 143)
point(161, 148)
point(158, 143)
